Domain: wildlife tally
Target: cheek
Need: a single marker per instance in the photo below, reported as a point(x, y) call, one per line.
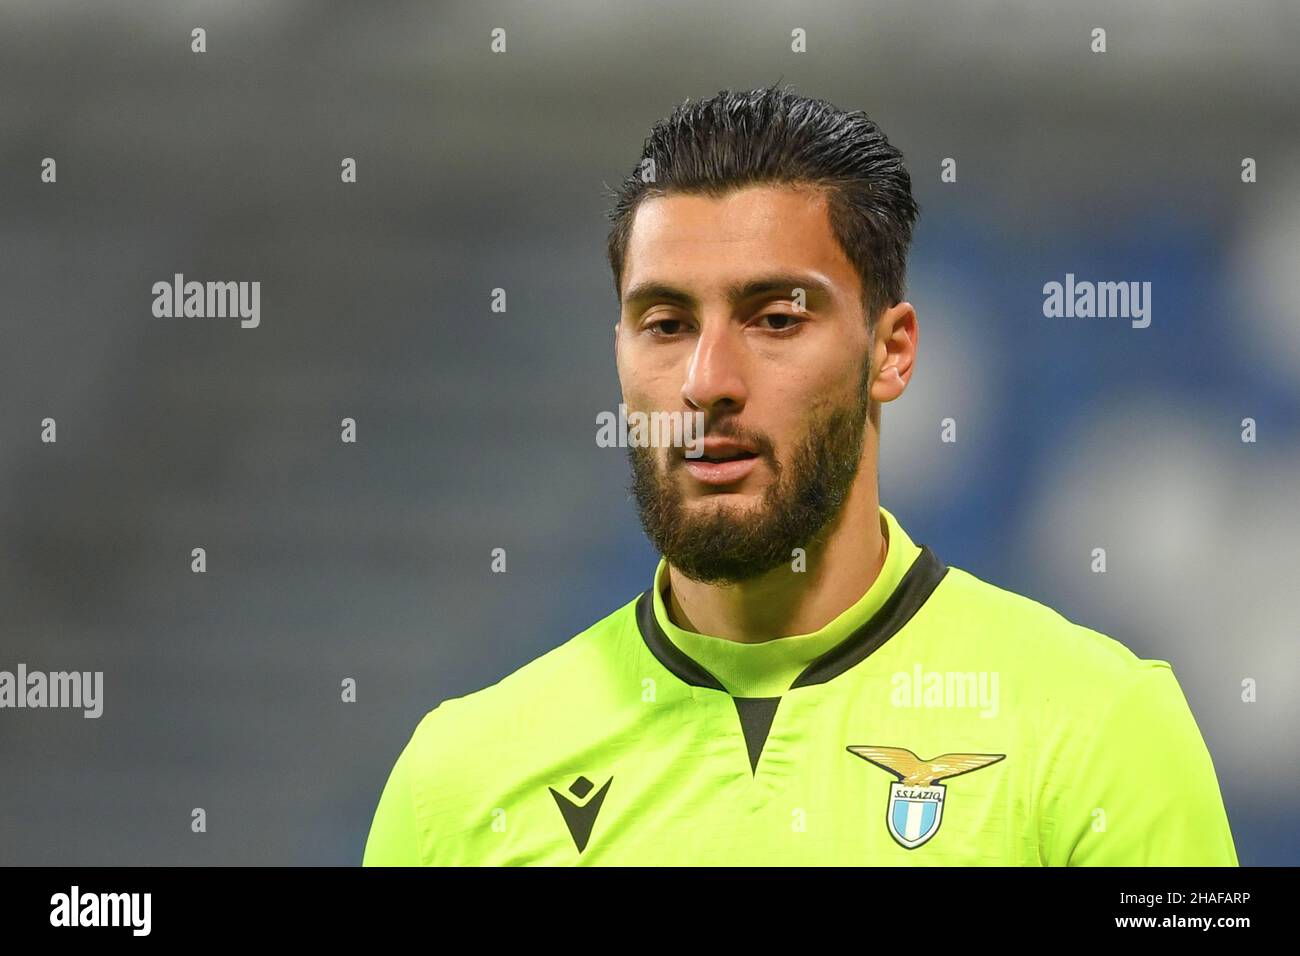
point(648, 387)
point(630, 380)
point(832, 383)
point(791, 406)
point(634, 395)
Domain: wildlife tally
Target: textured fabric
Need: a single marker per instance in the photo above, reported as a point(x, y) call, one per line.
point(962, 724)
point(767, 669)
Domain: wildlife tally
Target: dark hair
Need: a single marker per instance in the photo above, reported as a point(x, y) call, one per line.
point(774, 135)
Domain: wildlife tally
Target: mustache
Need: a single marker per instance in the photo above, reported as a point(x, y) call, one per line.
point(730, 429)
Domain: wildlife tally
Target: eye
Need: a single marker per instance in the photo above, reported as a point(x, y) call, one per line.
point(665, 327)
point(780, 321)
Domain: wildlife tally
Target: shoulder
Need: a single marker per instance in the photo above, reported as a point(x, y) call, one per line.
point(1071, 683)
point(1032, 638)
point(573, 682)
point(1082, 693)
point(1094, 707)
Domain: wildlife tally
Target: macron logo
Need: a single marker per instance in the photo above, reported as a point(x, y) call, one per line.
point(580, 817)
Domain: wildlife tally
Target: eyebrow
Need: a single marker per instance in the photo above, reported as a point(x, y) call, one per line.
point(736, 293)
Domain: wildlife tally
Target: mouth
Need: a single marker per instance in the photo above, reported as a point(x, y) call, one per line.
point(722, 464)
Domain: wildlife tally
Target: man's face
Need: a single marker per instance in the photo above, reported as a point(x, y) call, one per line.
point(710, 321)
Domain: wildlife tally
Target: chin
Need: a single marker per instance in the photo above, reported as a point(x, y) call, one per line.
point(721, 500)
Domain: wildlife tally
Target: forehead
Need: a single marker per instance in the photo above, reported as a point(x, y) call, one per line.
point(712, 241)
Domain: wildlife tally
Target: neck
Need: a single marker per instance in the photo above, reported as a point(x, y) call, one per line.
point(841, 567)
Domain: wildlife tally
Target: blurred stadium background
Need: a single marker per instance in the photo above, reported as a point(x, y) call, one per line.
point(476, 430)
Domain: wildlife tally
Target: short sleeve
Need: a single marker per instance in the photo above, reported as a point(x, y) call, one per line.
point(1141, 791)
point(395, 831)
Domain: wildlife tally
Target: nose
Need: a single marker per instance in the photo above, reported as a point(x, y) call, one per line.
point(715, 377)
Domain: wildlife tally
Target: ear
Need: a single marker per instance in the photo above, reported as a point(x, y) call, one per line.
point(894, 352)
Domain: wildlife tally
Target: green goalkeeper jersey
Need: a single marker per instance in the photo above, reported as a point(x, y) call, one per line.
point(939, 721)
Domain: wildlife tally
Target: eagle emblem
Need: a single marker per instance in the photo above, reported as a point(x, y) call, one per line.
point(916, 798)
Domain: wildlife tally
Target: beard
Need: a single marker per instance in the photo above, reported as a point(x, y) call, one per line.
point(725, 545)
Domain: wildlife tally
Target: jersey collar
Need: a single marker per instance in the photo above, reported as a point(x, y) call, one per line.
point(909, 575)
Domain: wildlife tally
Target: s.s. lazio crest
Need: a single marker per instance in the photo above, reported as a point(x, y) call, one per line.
point(916, 798)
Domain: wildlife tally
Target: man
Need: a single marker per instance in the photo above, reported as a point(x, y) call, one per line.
point(802, 684)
